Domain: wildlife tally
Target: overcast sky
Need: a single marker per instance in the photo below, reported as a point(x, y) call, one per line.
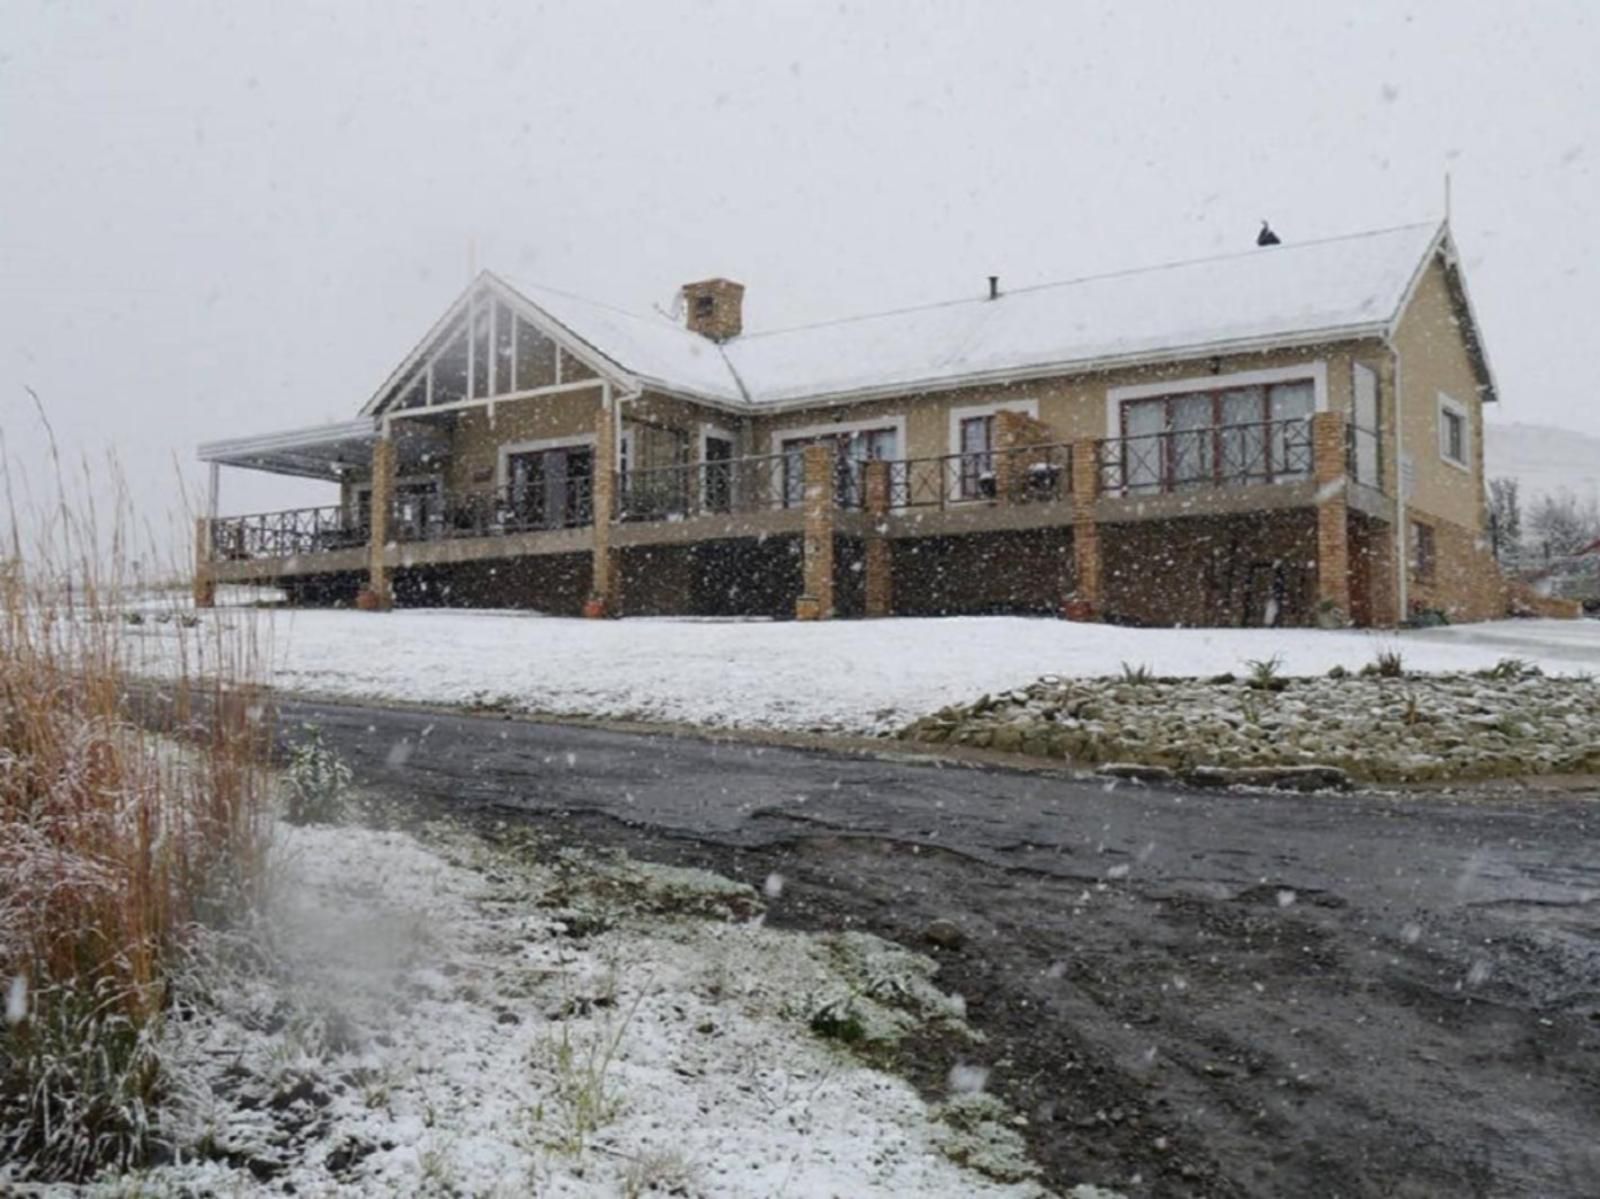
point(220, 219)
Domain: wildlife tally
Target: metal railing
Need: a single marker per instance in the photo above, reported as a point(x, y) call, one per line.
point(514, 508)
point(732, 485)
point(1025, 474)
point(287, 533)
point(1219, 456)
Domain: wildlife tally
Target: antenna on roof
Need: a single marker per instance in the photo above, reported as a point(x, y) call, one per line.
point(472, 259)
point(1447, 197)
point(1267, 237)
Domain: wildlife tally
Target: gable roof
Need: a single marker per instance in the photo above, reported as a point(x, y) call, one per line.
point(1315, 291)
point(1334, 289)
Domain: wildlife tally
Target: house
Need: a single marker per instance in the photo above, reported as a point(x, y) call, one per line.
point(1258, 438)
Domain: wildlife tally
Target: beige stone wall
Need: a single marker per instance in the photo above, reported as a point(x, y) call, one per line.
point(1466, 584)
point(1073, 407)
point(475, 442)
point(1434, 359)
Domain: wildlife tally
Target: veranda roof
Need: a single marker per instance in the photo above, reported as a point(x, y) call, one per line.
point(320, 452)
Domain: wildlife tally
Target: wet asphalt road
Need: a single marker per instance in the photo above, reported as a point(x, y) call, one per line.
point(1188, 993)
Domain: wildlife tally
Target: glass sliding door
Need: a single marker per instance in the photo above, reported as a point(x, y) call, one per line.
point(550, 489)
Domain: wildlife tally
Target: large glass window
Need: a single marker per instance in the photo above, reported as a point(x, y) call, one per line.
point(550, 489)
point(849, 451)
point(536, 358)
point(1234, 435)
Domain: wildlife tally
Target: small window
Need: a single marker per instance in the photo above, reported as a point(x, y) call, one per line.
point(1424, 554)
point(704, 306)
point(1454, 435)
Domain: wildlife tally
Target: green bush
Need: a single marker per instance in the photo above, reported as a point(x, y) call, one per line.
point(317, 783)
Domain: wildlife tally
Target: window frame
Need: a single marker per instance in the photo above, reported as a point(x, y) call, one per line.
point(1208, 442)
point(958, 493)
point(1452, 409)
point(1424, 552)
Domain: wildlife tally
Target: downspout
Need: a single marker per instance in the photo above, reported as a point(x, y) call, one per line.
point(1402, 566)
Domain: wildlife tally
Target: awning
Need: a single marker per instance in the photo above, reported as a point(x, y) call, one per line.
point(329, 452)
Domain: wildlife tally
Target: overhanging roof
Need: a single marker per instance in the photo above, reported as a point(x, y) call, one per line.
point(320, 452)
point(1329, 290)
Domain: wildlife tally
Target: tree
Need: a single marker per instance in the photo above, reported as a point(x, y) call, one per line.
point(1505, 521)
point(1562, 524)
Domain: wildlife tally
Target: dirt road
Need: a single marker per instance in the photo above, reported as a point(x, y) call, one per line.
point(1187, 993)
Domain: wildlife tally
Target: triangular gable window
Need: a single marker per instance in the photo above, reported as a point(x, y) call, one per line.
point(485, 351)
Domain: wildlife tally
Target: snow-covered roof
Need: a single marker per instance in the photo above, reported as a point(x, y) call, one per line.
point(652, 348)
point(1339, 287)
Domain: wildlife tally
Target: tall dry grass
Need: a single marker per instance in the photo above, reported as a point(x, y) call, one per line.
point(128, 812)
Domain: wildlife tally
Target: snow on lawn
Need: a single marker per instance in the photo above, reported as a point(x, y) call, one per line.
point(854, 676)
point(426, 1022)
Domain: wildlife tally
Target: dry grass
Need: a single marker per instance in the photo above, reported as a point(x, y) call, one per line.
point(125, 817)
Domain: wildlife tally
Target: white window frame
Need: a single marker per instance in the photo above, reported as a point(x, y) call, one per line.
point(707, 432)
point(1457, 409)
point(1316, 371)
point(1026, 405)
point(781, 437)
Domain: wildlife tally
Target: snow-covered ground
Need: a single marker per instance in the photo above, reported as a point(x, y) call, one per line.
point(856, 676)
point(426, 1018)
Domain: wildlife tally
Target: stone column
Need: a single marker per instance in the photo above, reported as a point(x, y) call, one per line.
point(878, 550)
point(604, 590)
point(378, 597)
point(816, 602)
point(205, 574)
point(1328, 453)
point(1381, 604)
point(1088, 597)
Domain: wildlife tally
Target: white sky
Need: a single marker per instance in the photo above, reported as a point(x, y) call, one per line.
point(220, 219)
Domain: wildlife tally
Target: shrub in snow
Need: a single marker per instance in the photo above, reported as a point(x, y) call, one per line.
point(122, 823)
point(317, 783)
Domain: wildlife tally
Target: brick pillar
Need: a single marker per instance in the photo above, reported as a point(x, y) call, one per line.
point(879, 552)
point(1010, 433)
point(1382, 602)
point(1088, 597)
point(378, 597)
point(205, 574)
point(816, 603)
point(604, 591)
point(1333, 518)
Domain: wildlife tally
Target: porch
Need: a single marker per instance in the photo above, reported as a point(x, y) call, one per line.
point(843, 516)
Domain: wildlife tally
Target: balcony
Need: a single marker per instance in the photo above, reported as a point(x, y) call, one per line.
point(1218, 470)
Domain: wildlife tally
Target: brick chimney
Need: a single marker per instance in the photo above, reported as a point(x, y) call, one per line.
point(716, 308)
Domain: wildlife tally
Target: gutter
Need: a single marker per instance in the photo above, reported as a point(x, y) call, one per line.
point(1402, 566)
point(1086, 366)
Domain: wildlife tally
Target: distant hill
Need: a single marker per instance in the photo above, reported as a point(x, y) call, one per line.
point(1543, 459)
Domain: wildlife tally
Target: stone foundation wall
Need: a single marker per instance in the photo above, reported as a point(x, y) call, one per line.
point(743, 577)
point(1212, 571)
point(554, 583)
point(1027, 572)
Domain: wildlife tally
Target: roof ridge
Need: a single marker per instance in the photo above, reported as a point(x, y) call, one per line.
point(1117, 274)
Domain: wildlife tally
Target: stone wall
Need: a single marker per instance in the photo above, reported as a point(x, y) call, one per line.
point(1211, 571)
point(1027, 571)
point(554, 583)
point(1467, 584)
point(741, 577)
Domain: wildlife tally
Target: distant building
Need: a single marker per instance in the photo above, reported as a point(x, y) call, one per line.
point(1289, 435)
